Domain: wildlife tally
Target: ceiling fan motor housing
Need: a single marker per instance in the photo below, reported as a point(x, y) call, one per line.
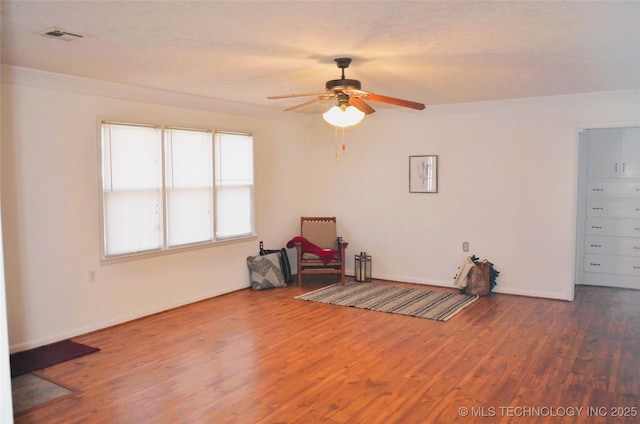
point(343, 84)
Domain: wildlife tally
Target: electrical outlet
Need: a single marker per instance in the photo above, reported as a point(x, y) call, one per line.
point(92, 276)
point(465, 246)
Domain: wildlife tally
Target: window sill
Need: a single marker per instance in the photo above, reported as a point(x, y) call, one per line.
point(106, 260)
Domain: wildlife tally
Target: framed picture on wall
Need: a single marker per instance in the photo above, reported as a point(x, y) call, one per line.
point(423, 174)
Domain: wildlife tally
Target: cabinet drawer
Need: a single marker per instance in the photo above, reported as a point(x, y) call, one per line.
point(621, 227)
point(604, 189)
point(619, 208)
point(624, 265)
point(627, 246)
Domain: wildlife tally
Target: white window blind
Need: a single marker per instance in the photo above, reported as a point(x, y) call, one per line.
point(189, 182)
point(142, 211)
point(132, 188)
point(234, 184)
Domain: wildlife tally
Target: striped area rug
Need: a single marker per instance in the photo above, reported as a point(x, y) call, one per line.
point(415, 302)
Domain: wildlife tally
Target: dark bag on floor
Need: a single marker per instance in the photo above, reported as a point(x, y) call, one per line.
point(284, 261)
point(479, 282)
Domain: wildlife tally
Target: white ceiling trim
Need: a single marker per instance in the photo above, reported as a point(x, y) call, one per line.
point(64, 82)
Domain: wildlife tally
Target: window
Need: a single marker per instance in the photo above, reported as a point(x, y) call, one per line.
point(234, 184)
point(132, 188)
point(189, 181)
point(158, 189)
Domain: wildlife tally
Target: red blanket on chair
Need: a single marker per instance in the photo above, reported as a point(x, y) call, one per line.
point(307, 247)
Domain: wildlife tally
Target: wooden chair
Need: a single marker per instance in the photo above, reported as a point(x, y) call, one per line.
point(321, 231)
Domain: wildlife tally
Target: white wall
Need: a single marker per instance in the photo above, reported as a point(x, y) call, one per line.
point(6, 401)
point(51, 217)
point(507, 184)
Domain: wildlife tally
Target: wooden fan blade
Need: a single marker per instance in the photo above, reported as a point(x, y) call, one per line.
point(286, 96)
point(394, 101)
point(310, 102)
point(361, 105)
point(352, 92)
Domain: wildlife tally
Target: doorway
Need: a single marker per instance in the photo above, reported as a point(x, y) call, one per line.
point(608, 221)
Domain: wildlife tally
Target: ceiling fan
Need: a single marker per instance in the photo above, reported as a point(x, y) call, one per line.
point(351, 99)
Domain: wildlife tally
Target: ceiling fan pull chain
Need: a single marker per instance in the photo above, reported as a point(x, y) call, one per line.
point(344, 145)
point(335, 138)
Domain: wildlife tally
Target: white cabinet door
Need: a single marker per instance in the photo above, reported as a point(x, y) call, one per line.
point(630, 152)
point(603, 153)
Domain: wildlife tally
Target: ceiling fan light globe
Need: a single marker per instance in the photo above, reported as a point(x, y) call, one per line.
point(343, 118)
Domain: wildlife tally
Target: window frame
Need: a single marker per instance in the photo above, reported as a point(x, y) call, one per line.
point(165, 248)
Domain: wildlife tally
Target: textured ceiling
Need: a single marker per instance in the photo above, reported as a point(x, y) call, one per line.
point(432, 52)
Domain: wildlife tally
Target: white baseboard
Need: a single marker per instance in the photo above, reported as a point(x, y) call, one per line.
point(117, 320)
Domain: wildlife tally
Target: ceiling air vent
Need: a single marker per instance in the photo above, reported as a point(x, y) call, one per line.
point(58, 34)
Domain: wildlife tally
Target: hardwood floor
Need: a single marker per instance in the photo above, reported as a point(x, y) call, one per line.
point(264, 357)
